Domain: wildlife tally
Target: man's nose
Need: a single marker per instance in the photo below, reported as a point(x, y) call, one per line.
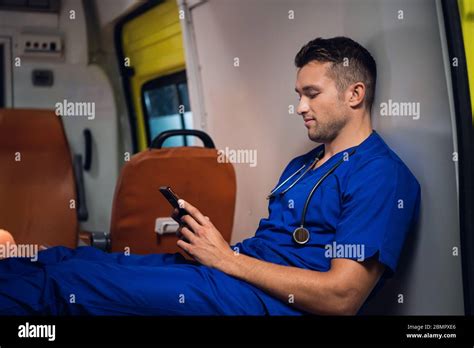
point(303, 107)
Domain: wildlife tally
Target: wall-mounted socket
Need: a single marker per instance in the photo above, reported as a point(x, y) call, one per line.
point(35, 45)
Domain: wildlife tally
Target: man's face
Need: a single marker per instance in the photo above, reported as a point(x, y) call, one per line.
point(321, 104)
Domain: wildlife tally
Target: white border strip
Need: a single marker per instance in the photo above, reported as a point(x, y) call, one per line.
point(447, 72)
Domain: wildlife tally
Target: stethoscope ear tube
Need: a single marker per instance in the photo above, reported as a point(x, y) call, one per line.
point(292, 175)
point(286, 180)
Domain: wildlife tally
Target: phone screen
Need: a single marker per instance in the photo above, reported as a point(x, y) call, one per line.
point(170, 196)
point(173, 198)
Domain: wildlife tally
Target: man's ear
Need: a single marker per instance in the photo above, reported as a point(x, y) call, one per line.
point(356, 95)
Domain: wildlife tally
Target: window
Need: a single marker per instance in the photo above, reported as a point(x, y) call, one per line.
point(166, 106)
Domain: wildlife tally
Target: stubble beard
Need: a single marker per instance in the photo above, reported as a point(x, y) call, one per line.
point(326, 132)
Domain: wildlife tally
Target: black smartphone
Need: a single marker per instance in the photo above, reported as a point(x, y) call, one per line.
point(172, 198)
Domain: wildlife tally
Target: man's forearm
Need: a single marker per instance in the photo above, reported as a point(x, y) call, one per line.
point(311, 291)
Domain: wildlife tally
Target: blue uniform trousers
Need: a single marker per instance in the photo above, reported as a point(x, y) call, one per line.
point(86, 280)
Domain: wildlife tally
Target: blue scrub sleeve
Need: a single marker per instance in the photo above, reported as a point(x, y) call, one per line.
point(379, 207)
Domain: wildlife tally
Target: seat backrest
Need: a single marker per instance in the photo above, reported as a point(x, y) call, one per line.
point(195, 175)
point(36, 178)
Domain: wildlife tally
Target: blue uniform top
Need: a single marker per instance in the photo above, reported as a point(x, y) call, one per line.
point(365, 208)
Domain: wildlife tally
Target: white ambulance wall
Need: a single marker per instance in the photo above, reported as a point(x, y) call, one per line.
point(77, 81)
point(107, 13)
point(110, 10)
point(247, 108)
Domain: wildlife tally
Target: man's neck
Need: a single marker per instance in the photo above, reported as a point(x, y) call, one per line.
point(350, 136)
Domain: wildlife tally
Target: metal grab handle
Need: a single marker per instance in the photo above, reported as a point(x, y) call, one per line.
point(160, 139)
point(88, 149)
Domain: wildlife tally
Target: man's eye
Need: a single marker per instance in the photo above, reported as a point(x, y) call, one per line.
point(310, 96)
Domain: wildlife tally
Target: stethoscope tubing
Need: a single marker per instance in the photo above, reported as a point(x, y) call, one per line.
point(310, 195)
point(315, 187)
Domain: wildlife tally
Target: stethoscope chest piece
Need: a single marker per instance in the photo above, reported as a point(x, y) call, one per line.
point(301, 235)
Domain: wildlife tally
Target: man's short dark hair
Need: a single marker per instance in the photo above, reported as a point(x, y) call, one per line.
point(351, 63)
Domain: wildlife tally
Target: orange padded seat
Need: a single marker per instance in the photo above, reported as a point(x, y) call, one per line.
point(193, 173)
point(36, 178)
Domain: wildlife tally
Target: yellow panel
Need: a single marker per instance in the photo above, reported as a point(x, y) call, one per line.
point(154, 44)
point(466, 7)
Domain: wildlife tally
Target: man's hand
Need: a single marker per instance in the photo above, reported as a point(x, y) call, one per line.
point(204, 242)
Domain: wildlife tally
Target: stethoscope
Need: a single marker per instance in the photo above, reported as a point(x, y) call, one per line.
point(301, 233)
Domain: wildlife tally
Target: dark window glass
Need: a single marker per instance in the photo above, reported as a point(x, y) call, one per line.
point(166, 107)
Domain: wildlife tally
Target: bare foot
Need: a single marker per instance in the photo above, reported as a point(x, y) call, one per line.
point(6, 237)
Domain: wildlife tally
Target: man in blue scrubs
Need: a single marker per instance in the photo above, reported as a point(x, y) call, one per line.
point(357, 219)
